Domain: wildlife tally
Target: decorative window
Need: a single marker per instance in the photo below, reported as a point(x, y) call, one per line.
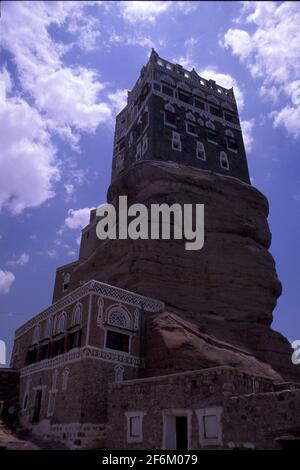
point(77, 315)
point(36, 334)
point(144, 144)
point(229, 133)
point(168, 79)
point(65, 377)
point(190, 117)
point(156, 86)
point(61, 323)
point(191, 128)
point(231, 144)
point(117, 341)
point(201, 122)
point(210, 429)
point(144, 121)
point(184, 97)
point(200, 151)
point(119, 319)
point(224, 160)
point(210, 125)
point(66, 281)
point(135, 426)
point(170, 108)
point(138, 151)
point(227, 105)
point(48, 328)
point(119, 373)
point(176, 142)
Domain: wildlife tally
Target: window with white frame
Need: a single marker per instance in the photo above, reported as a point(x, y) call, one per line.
point(169, 115)
point(135, 426)
point(144, 143)
point(61, 323)
point(211, 134)
point(200, 151)
point(119, 373)
point(66, 281)
point(230, 140)
point(210, 428)
point(138, 151)
point(176, 141)
point(224, 163)
point(77, 315)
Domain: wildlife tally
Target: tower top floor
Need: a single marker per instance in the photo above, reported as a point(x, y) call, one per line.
point(173, 114)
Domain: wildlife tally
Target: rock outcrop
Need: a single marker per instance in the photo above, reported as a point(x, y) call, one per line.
point(227, 290)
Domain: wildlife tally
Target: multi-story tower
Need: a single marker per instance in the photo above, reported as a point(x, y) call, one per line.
point(173, 114)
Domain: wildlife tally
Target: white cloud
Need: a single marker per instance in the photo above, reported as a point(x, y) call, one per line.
point(52, 253)
point(67, 96)
point(21, 261)
point(147, 11)
point(271, 53)
point(6, 280)
point(27, 157)
point(118, 99)
point(247, 129)
point(78, 218)
point(143, 12)
point(69, 189)
point(227, 81)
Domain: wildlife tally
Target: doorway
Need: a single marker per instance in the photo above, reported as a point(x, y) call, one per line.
point(176, 429)
point(37, 406)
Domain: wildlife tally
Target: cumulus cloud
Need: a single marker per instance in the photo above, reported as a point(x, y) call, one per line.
point(6, 280)
point(118, 100)
point(147, 11)
point(78, 218)
point(52, 98)
point(27, 157)
point(20, 261)
point(247, 129)
point(271, 53)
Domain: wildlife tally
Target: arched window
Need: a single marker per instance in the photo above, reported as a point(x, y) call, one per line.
point(190, 117)
point(224, 160)
point(61, 323)
point(77, 315)
point(119, 373)
point(210, 125)
point(200, 151)
point(229, 133)
point(201, 122)
point(48, 328)
point(170, 108)
point(118, 316)
point(66, 281)
point(36, 334)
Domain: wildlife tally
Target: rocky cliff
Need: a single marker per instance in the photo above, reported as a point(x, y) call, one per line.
point(226, 291)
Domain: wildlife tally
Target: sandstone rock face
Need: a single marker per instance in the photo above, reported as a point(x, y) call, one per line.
point(228, 289)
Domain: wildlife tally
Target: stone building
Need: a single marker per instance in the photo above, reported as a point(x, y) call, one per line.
point(147, 345)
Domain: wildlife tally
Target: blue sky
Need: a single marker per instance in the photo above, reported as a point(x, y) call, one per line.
point(64, 71)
